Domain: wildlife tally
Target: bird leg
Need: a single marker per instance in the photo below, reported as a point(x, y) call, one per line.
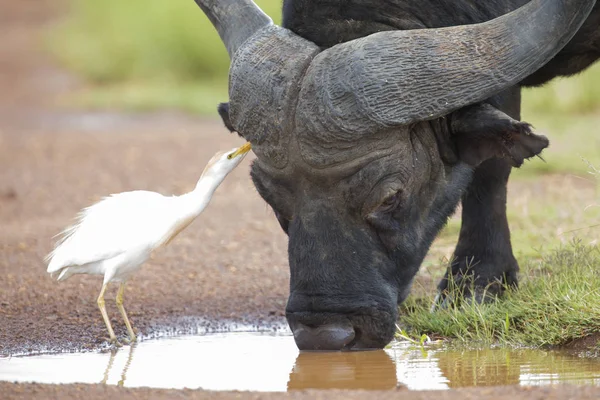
point(123, 313)
point(113, 338)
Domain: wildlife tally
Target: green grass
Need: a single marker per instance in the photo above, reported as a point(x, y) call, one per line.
point(559, 295)
point(557, 302)
point(145, 54)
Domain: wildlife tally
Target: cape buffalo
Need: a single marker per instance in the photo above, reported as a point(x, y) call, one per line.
point(361, 158)
point(484, 252)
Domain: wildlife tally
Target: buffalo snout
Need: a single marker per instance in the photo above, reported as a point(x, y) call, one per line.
point(329, 324)
point(331, 336)
point(342, 295)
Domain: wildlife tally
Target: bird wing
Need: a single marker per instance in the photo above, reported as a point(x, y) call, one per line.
point(116, 224)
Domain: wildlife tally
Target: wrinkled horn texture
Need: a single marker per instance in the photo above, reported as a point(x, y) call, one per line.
point(401, 77)
point(264, 83)
point(235, 20)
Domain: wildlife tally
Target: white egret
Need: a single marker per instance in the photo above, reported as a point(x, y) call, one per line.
point(115, 236)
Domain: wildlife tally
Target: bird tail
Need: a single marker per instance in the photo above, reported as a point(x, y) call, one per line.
point(59, 260)
point(53, 259)
point(57, 265)
point(61, 274)
point(65, 273)
point(78, 220)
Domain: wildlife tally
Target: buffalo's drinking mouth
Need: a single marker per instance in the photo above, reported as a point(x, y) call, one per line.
point(332, 332)
point(329, 336)
point(341, 323)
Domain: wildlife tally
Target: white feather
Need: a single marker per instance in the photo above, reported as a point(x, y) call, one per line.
point(115, 236)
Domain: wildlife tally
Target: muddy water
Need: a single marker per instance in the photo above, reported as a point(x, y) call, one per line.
point(266, 362)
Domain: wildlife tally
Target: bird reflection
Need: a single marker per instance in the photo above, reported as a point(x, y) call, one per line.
point(111, 361)
point(368, 370)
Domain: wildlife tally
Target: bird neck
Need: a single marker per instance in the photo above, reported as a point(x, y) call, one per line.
point(196, 200)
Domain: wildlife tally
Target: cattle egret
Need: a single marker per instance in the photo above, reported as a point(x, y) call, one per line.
point(115, 236)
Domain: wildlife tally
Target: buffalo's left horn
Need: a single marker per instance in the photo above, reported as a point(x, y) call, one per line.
point(402, 77)
point(235, 20)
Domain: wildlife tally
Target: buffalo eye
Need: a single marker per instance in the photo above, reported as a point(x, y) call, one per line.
point(390, 203)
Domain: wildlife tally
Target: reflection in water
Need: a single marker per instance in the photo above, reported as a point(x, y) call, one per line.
point(111, 361)
point(263, 362)
point(481, 367)
point(369, 370)
point(490, 367)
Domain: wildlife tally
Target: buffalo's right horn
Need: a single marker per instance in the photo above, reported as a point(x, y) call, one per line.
point(235, 20)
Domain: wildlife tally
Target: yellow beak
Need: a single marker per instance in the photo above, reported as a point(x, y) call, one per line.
point(242, 150)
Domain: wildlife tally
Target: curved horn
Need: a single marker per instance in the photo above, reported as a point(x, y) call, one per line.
point(402, 77)
point(235, 20)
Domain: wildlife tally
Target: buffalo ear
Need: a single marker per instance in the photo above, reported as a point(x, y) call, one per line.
point(482, 132)
point(223, 110)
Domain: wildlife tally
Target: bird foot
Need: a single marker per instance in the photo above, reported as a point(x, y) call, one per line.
point(114, 342)
point(129, 341)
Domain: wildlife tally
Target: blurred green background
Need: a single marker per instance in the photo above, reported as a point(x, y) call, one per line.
point(165, 47)
point(145, 54)
point(153, 54)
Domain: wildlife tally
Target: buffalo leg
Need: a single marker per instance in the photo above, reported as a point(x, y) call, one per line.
point(483, 262)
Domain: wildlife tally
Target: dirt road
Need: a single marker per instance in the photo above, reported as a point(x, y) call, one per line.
point(229, 266)
point(29, 391)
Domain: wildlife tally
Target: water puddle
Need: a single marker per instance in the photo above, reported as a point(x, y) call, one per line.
point(271, 362)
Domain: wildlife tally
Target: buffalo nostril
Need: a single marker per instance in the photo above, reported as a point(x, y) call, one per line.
point(324, 337)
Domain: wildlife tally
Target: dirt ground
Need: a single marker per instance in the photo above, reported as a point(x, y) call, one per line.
point(229, 266)
point(29, 391)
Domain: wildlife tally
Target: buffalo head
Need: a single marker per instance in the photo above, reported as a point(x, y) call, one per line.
point(355, 155)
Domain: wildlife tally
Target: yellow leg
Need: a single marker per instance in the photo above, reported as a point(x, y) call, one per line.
point(113, 338)
point(123, 313)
